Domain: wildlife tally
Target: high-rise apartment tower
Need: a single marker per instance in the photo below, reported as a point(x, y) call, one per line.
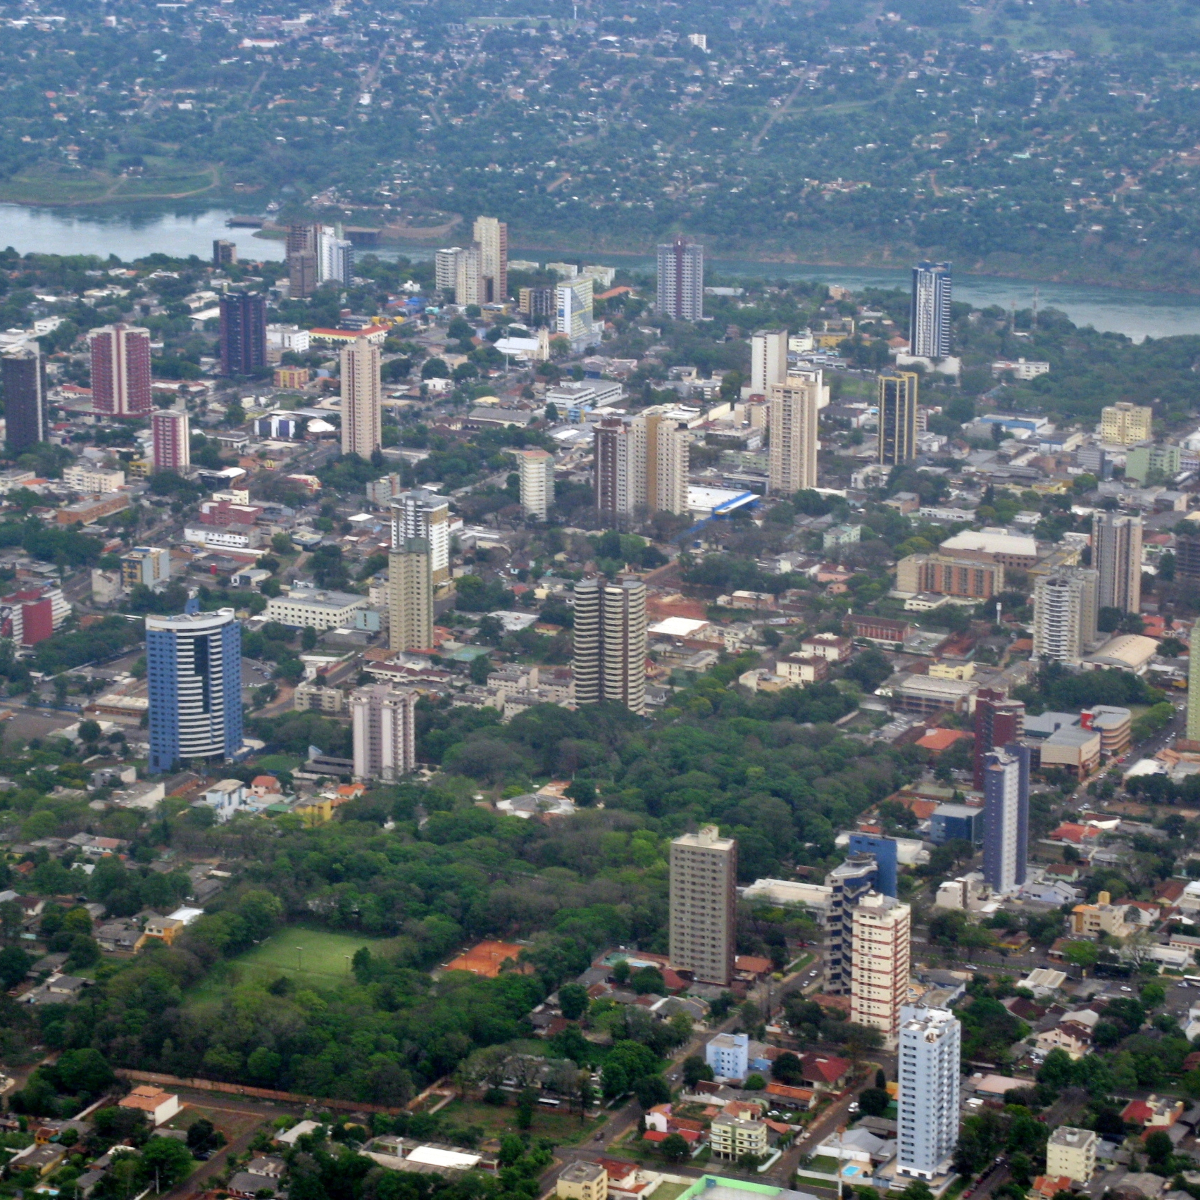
point(929, 310)
point(362, 400)
point(120, 370)
point(681, 280)
point(848, 883)
point(410, 596)
point(998, 721)
point(194, 678)
point(794, 404)
point(898, 417)
point(609, 661)
point(169, 429)
point(879, 963)
point(426, 515)
point(703, 912)
point(23, 384)
point(536, 469)
point(491, 236)
point(1117, 557)
point(1006, 817)
point(382, 720)
point(1064, 614)
point(243, 336)
point(928, 1071)
point(768, 360)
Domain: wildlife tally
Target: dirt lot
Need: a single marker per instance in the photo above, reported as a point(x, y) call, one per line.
point(28, 723)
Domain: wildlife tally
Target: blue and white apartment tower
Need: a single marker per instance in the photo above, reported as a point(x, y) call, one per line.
point(927, 1072)
point(194, 670)
point(929, 311)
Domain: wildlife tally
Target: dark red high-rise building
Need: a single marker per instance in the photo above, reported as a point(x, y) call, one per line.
point(121, 370)
point(998, 722)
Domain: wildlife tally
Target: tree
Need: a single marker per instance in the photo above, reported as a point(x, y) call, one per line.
point(873, 1102)
point(573, 1000)
point(651, 1090)
point(674, 1148)
point(1159, 1148)
point(14, 962)
point(788, 1069)
point(525, 1102)
point(308, 638)
point(1082, 954)
point(621, 971)
point(613, 1080)
point(696, 1069)
point(754, 1083)
point(202, 1135)
point(165, 1162)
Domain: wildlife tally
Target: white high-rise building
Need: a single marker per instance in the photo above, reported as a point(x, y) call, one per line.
point(491, 236)
point(1064, 615)
point(362, 399)
point(768, 360)
point(445, 268)
point(384, 732)
point(794, 404)
point(703, 912)
point(574, 310)
point(1006, 817)
point(929, 322)
point(426, 515)
point(880, 952)
point(609, 661)
point(410, 596)
point(537, 481)
point(928, 1070)
point(1117, 558)
point(681, 280)
point(171, 439)
point(335, 256)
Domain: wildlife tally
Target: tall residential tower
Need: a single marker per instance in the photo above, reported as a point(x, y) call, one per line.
point(362, 401)
point(23, 386)
point(794, 404)
point(1006, 817)
point(928, 1073)
point(703, 913)
point(929, 310)
point(120, 357)
point(898, 417)
point(1117, 557)
point(681, 280)
point(194, 677)
point(609, 661)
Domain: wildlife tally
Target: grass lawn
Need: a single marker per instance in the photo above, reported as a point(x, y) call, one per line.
point(669, 1191)
point(825, 1163)
point(499, 1119)
point(309, 957)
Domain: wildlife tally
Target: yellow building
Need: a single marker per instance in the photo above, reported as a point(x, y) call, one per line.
point(316, 811)
point(1091, 920)
point(1125, 424)
point(945, 670)
point(582, 1181)
point(1071, 1153)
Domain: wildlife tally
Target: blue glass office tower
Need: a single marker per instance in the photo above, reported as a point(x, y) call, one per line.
point(1006, 817)
point(886, 861)
point(194, 672)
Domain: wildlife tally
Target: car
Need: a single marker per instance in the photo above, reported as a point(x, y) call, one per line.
point(1126, 989)
point(853, 1107)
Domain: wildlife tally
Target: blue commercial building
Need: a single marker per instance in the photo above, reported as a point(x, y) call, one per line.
point(884, 851)
point(194, 673)
point(1006, 817)
point(956, 822)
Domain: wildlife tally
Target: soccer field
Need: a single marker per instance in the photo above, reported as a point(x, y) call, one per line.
point(309, 957)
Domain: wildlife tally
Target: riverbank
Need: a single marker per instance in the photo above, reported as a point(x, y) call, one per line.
point(186, 228)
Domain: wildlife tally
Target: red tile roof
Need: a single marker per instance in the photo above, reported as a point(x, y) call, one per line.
point(937, 740)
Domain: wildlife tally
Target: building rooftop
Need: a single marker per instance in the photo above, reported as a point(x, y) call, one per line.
point(1064, 1135)
point(991, 542)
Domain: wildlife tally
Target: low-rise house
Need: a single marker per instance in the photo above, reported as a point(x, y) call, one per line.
point(1153, 1112)
point(158, 1105)
point(825, 1071)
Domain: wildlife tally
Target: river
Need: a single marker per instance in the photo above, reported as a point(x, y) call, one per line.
point(130, 234)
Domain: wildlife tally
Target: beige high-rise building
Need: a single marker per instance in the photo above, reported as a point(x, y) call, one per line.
point(1126, 424)
point(362, 400)
point(641, 465)
point(1065, 611)
point(1117, 557)
point(383, 726)
point(703, 918)
point(768, 360)
point(410, 596)
point(491, 236)
point(793, 431)
point(537, 481)
point(609, 661)
point(424, 514)
point(662, 444)
point(468, 280)
point(880, 952)
point(1071, 1154)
